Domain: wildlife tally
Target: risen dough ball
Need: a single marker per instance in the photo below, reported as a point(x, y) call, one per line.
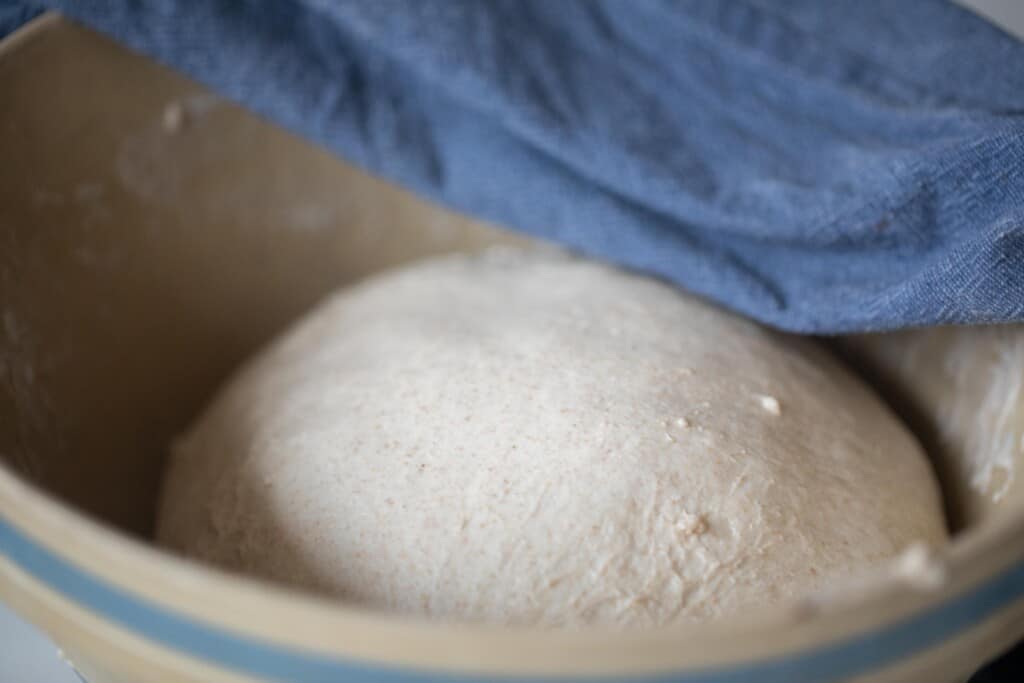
point(534, 439)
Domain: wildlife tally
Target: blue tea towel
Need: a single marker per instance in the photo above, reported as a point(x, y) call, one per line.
point(821, 166)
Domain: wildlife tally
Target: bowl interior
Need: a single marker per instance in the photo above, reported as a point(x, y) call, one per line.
point(151, 236)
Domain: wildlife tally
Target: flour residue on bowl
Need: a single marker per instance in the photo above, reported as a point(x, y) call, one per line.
point(153, 162)
point(992, 428)
point(965, 384)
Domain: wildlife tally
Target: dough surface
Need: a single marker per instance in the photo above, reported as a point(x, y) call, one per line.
point(533, 439)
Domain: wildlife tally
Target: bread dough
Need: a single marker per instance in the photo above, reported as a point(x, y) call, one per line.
point(961, 388)
point(524, 438)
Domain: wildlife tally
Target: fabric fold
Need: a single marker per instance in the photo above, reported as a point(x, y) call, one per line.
point(822, 167)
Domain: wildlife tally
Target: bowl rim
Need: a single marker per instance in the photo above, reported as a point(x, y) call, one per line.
point(260, 627)
point(197, 610)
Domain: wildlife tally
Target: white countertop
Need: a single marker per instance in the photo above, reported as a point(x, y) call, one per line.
point(27, 656)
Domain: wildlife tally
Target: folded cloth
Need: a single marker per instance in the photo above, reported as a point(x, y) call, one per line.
point(823, 167)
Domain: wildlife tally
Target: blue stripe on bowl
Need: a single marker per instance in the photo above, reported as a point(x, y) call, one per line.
point(837, 661)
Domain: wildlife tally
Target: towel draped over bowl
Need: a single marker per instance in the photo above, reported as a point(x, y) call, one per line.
point(823, 167)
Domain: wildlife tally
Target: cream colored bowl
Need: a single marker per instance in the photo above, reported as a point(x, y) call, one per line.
point(151, 235)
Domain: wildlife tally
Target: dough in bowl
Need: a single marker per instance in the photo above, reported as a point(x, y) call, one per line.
point(529, 438)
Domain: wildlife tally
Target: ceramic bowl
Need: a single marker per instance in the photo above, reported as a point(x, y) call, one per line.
point(152, 235)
